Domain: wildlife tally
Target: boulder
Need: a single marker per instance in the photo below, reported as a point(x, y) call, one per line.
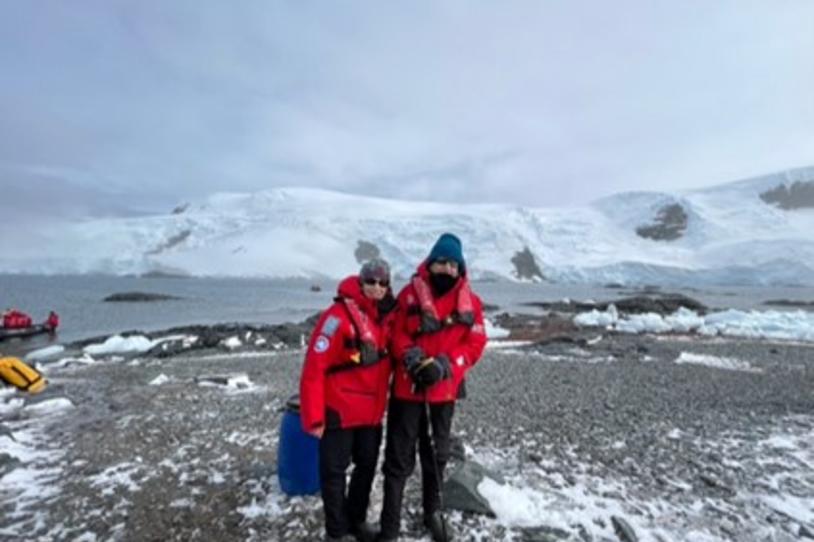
point(623, 530)
point(461, 489)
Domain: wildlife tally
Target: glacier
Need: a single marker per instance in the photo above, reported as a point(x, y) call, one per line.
point(731, 237)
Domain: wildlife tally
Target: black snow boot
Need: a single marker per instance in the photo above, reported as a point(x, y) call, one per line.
point(438, 527)
point(364, 532)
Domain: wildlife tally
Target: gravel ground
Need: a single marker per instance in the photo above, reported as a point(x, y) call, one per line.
point(673, 449)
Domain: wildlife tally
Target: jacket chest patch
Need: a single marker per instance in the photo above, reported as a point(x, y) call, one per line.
point(322, 344)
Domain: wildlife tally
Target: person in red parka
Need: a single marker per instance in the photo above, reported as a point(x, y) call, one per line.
point(438, 335)
point(343, 395)
point(53, 321)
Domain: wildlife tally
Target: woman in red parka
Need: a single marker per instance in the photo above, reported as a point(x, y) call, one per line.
point(438, 336)
point(343, 394)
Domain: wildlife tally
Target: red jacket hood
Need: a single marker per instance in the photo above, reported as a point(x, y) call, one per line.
point(351, 288)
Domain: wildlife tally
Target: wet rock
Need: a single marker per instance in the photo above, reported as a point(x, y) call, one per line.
point(138, 297)
point(623, 530)
point(669, 224)
point(461, 489)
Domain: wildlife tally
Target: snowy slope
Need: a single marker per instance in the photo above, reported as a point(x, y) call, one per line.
point(731, 237)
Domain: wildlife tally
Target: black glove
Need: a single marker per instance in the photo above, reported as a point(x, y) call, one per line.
point(431, 373)
point(429, 324)
point(412, 360)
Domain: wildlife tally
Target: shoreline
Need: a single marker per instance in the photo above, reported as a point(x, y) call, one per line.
point(673, 437)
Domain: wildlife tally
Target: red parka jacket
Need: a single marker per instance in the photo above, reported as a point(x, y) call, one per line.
point(336, 389)
point(463, 344)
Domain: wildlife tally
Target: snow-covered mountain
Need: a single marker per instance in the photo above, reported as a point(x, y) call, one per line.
point(757, 231)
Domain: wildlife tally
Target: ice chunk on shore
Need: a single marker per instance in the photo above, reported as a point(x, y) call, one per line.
point(493, 331)
point(785, 325)
point(117, 344)
point(45, 353)
point(232, 342)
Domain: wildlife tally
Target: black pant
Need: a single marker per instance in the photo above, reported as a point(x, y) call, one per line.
point(336, 449)
point(406, 423)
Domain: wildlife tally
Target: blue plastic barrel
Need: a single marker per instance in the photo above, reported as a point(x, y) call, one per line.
point(297, 454)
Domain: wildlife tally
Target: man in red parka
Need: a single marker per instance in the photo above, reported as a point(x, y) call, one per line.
point(438, 335)
point(343, 394)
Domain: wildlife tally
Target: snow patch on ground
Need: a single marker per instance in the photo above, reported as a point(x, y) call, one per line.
point(730, 364)
point(35, 479)
point(159, 380)
point(541, 495)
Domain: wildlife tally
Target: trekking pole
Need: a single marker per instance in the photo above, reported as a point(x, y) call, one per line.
point(436, 468)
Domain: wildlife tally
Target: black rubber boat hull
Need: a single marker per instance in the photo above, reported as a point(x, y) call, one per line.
point(36, 329)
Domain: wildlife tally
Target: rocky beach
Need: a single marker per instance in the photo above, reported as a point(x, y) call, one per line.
point(590, 435)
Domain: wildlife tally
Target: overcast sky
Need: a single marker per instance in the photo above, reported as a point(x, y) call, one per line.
point(110, 106)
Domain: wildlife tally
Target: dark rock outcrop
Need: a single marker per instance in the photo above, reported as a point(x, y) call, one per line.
point(663, 304)
point(539, 329)
point(799, 195)
point(252, 337)
point(669, 224)
point(365, 251)
point(138, 297)
point(525, 265)
point(173, 241)
point(180, 209)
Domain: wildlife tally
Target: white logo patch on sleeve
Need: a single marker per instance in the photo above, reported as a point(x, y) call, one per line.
point(322, 343)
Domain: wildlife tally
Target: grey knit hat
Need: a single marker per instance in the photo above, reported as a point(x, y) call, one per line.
point(376, 268)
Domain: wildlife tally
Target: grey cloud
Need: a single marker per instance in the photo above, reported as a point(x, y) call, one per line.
point(528, 102)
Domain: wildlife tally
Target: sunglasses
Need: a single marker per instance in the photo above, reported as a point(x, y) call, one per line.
point(382, 283)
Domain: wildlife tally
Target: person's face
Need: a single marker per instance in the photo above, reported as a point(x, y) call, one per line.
point(449, 267)
point(374, 289)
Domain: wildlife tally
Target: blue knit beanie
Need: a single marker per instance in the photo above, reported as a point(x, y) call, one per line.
point(448, 247)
